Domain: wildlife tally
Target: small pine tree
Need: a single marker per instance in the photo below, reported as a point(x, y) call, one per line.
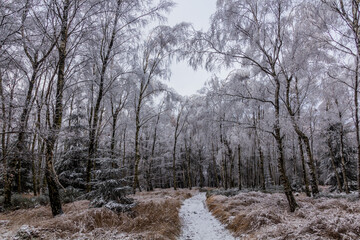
point(71, 167)
point(110, 186)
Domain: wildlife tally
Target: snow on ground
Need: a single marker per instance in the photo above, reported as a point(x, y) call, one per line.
point(198, 223)
point(257, 215)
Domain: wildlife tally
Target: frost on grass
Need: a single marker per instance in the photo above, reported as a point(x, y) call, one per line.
point(26, 232)
point(256, 215)
point(156, 216)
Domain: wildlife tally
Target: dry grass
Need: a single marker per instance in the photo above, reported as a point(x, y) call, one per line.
point(156, 216)
point(257, 215)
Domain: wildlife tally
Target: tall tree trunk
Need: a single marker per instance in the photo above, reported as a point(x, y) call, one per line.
point(124, 147)
point(232, 166)
point(272, 179)
point(7, 186)
point(112, 143)
point(305, 178)
point(95, 116)
point(357, 117)
point(262, 170)
point(313, 179)
point(174, 162)
point(20, 145)
point(225, 170)
point(33, 165)
point(50, 175)
point(149, 179)
point(261, 154)
point(20, 151)
point(137, 153)
point(229, 155)
point(342, 156)
point(214, 166)
point(188, 157)
point(9, 162)
point(239, 168)
point(281, 164)
point(137, 140)
point(332, 159)
point(201, 175)
point(115, 113)
point(302, 135)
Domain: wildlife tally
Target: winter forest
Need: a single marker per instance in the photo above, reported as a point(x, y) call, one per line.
point(87, 117)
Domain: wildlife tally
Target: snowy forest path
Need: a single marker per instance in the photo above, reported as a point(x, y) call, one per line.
point(199, 223)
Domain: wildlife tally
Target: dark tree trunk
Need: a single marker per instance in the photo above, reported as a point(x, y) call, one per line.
point(174, 164)
point(239, 168)
point(342, 155)
point(313, 179)
point(356, 89)
point(332, 159)
point(188, 157)
point(50, 175)
point(305, 178)
point(214, 166)
point(281, 164)
point(262, 170)
point(302, 135)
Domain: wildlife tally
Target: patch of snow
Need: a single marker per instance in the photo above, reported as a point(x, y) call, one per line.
point(4, 223)
point(198, 223)
point(26, 232)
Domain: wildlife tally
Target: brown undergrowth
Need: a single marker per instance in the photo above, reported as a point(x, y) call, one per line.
point(156, 216)
point(256, 215)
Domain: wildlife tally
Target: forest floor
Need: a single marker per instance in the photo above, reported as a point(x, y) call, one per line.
point(156, 216)
point(168, 214)
point(257, 215)
point(198, 223)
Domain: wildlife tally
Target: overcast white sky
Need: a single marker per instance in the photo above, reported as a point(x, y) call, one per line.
point(184, 79)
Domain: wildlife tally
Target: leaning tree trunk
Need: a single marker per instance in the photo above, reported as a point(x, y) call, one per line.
point(302, 135)
point(313, 179)
point(281, 164)
point(20, 146)
point(50, 175)
point(305, 178)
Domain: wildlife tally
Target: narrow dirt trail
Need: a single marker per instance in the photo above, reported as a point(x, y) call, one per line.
point(198, 223)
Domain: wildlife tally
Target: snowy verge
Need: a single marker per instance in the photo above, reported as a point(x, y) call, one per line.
point(256, 215)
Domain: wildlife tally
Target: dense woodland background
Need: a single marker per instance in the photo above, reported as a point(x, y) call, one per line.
point(85, 109)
